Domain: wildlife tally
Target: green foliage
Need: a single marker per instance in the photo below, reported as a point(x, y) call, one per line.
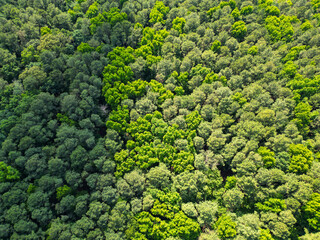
point(31, 188)
point(246, 10)
point(193, 120)
point(253, 50)
point(304, 87)
point(140, 129)
point(75, 12)
point(293, 53)
point(289, 70)
point(265, 234)
point(45, 30)
point(301, 158)
point(272, 205)
point(159, 88)
point(116, 76)
point(29, 55)
point(158, 13)
point(235, 14)
point(95, 22)
point(231, 182)
point(306, 26)
point(85, 47)
point(303, 117)
point(178, 24)
point(267, 157)
point(232, 4)
point(154, 39)
point(8, 173)
point(63, 191)
point(124, 162)
point(144, 154)
point(213, 77)
point(145, 157)
point(135, 89)
point(280, 28)
point(222, 4)
point(114, 16)
point(211, 11)
point(143, 51)
point(64, 119)
point(311, 210)
point(310, 236)
point(179, 91)
point(315, 4)
point(239, 30)
point(225, 227)
point(239, 98)
point(121, 56)
point(164, 220)
point(93, 10)
point(162, 117)
point(118, 119)
point(216, 45)
point(182, 161)
point(273, 11)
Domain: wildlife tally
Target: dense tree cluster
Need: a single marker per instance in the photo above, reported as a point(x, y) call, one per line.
point(173, 119)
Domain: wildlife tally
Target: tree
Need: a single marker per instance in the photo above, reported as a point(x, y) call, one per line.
point(8, 173)
point(253, 50)
point(33, 78)
point(5, 230)
point(207, 211)
point(158, 13)
point(301, 158)
point(246, 10)
point(280, 28)
point(114, 16)
point(136, 181)
point(267, 157)
point(82, 227)
point(119, 216)
point(159, 177)
point(188, 228)
point(310, 236)
point(217, 140)
point(95, 22)
point(273, 205)
point(85, 47)
point(273, 10)
point(63, 191)
point(193, 187)
point(304, 117)
point(93, 10)
point(311, 210)
point(66, 205)
point(118, 119)
point(239, 30)
point(248, 226)
point(165, 219)
point(182, 161)
point(178, 24)
point(235, 13)
point(265, 234)
point(233, 198)
point(193, 120)
point(225, 227)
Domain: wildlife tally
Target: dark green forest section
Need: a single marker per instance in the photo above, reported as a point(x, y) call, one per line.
point(174, 119)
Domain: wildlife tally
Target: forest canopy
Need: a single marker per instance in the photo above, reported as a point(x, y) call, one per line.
point(173, 119)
